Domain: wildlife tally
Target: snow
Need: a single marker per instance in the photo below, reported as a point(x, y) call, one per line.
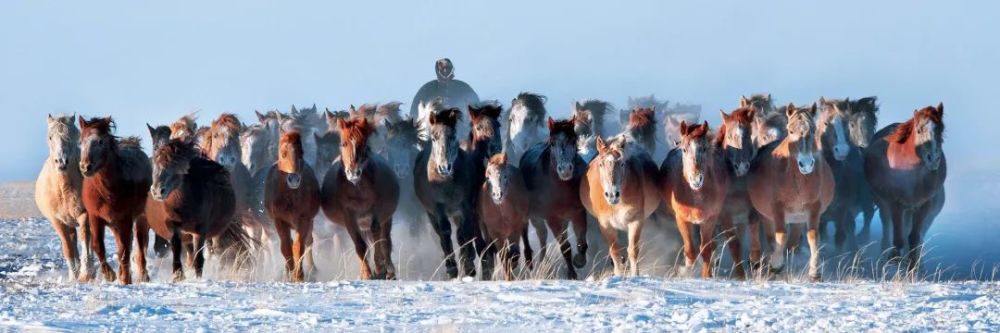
point(34, 295)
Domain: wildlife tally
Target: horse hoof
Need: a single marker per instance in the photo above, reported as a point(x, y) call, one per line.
point(142, 278)
point(579, 260)
point(776, 269)
point(85, 277)
point(815, 278)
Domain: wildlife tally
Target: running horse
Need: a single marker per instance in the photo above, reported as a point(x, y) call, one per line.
point(906, 168)
point(292, 200)
point(791, 183)
point(863, 119)
point(847, 165)
point(442, 181)
point(57, 194)
point(503, 206)
point(552, 172)
point(524, 124)
point(222, 144)
point(360, 193)
point(695, 184)
point(620, 190)
point(735, 142)
point(117, 176)
point(589, 123)
point(192, 198)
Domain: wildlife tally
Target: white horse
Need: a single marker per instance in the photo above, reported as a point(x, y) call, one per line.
point(57, 194)
point(525, 124)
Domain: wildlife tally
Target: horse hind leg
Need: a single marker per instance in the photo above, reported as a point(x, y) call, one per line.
point(542, 232)
point(142, 243)
point(199, 241)
point(442, 226)
point(360, 248)
point(97, 244)
point(528, 253)
point(634, 237)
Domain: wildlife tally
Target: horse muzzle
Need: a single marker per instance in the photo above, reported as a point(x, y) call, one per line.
point(497, 196)
point(565, 171)
point(61, 163)
point(696, 182)
point(445, 170)
point(840, 152)
point(613, 197)
point(353, 175)
point(742, 169)
point(294, 180)
point(87, 169)
point(806, 165)
point(158, 193)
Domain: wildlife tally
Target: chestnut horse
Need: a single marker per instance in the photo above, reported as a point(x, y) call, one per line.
point(906, 168)
point(768, 124)
point(735, 140)
point(117, 176)
point(192, 196)
point(503, 207)
point(552, 172)
point(790, 183)
point(292, 200)
point(360, 193)
point(442, 181)
point(185, 128)
point(620, 190)
point(57, 194)
point(695, 184)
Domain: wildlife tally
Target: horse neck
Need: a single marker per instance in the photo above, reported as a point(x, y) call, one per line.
point(903, 155)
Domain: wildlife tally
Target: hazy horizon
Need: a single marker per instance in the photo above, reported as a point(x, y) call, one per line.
point(152, 62)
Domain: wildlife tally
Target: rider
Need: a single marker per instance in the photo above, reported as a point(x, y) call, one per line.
point(454, 92)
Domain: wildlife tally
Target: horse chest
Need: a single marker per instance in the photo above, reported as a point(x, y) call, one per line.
point(359, 198)
point(621, 217)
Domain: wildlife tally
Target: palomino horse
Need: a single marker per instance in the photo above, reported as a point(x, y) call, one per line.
point(735, 141)
point(588, 122)
point(57, 194)
point(192, 196)
point(790, 182)
point(292, 199)
point(503, 207)
point(524, 124)
point(847, 165)
point(117, 176)
point(552, 172)
point(360, 193)
point(906, 169)
point(862, 119)
point(768, 123)
point(695, 184)
point(442, 178)
point(620, 190)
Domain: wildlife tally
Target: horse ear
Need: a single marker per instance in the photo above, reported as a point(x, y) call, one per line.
point(940, 109)
point(723, 114)
point(705, 125)
point(790, 110)
point(822, 100)
point(294, 110)
point(683, 127)
point(151, 129)
point(49, 118)
point(812, 110)
point(260, 116)
point(474, 113)
point(743, 101)
point(602, 146)
point(552, 124)
point(768, 97)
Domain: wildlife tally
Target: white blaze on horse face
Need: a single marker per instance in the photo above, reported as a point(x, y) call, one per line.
point(928, 146)
point(444, 150)
point(522, 136)
point(611, 170)
point(692, 165)
point(498, 181)
point(840, 146)
point(805, 158)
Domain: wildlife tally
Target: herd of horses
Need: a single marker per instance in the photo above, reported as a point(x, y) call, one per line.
point(766, 173)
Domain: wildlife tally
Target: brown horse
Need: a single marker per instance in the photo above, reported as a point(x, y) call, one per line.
point(735, 140)
point(768, 123)
point(360, 193)
point(620, 190)
point(695, 184)
point(117, 176)
point(906, 169)
point(185, 128)
point(159, 136)
point(442, 178)
point(552, 172)
point(192, 196)
point(790, 182)
point(222, 145)
point(503, 207)
point(292, 200)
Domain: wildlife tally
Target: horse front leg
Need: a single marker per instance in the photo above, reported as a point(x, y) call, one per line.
point(467, 242)
point(442, 227)
point(97, 244)
point(634, 236)
point(559, 228)
point(360, 247)
point(177, 247)
point(812, 237)
point(684, 228)
point(898, 232)
point(123, 238)
point(141, 243)
point(67, 237)
point(84, 238)
point(777, 259)
point(198, 241)
point(614, 249)
point(542, 232)
point(707, 247)
point(528, 253)
point(285, 241)
point(731, 238)
point(580, 231)
point(756, 250)
point(299, 247)
point(915, 238)
point(383, 250)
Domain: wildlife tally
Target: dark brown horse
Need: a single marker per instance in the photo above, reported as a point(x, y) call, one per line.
point(360, 193)
point(503, 208)
point(735, 140)
point(442, 181)
point(695, 184)
point(192, 196)
point(847, 164)
point(863, 119)
point(552, 172)
point(292, 199)
point(117, 176)
point(906, 168)
point(790, 183)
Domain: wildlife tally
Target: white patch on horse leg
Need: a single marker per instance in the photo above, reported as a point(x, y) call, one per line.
point(87, 256)
point(778, 254)
point(814, 256)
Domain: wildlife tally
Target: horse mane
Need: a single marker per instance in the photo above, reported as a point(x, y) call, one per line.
point(562, 126)
point(499, 159)
point(697, 130)
point(904, 130)
point(356, 128)
point(534, 102)
point(228, 120)
point(293, 137)
point(491, 108)
point(448, 117)
point(186, 121)
point(65, 127)
point(642, 119)
point(175, 152)
point(101, 125)
point(598, 108)
point(130, 142)
point(388, 110)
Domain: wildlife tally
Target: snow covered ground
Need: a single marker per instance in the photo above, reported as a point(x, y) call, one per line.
point(34, 296)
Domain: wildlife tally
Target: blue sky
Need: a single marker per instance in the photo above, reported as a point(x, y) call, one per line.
point(153, 61)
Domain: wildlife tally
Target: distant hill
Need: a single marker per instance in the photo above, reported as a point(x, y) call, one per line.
point(17, 200)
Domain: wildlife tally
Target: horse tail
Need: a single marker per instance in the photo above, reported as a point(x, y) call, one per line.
point(237, 249)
